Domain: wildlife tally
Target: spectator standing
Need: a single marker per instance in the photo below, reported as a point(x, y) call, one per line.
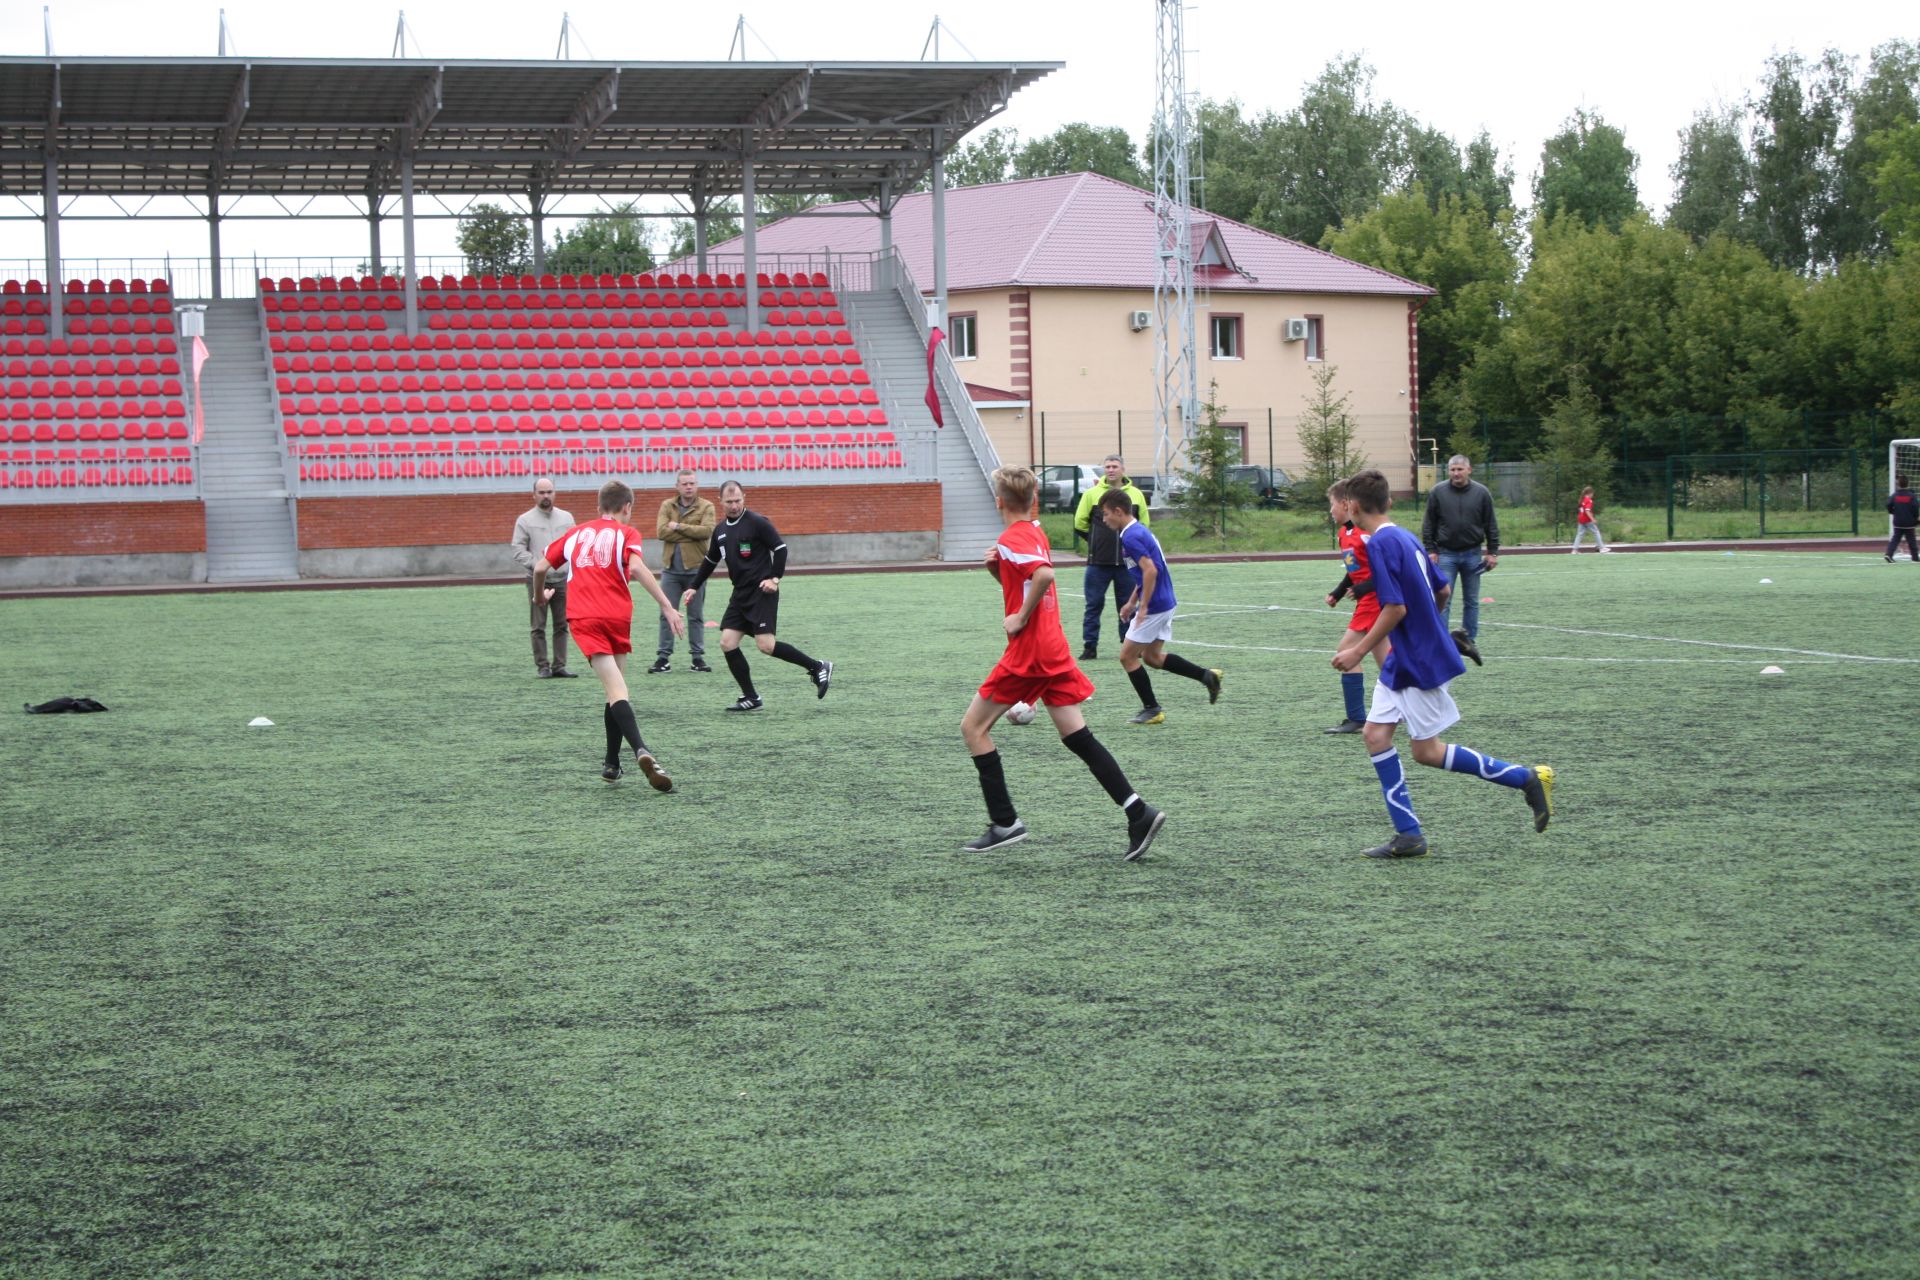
point(1106, 565)
point(1905, 510)
point(1459, 521)
point(535, 531)
point(684, 526)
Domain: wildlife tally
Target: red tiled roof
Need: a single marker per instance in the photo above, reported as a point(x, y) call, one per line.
point(1078, 230)
point(988, 395)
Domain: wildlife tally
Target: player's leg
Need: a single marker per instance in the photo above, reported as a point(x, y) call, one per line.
point(1159, 659)
point(1353, 685)
point(1597, 537)
point(821, 673)
point(733, 625)
point(1143, 820)
point(1003, 822)
point(1133, 655)
point(1383, 719)
point(1430, 712)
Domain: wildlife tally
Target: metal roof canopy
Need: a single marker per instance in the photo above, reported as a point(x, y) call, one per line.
point(299, 126)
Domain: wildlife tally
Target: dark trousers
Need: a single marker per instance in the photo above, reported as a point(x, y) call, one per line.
point(675, 583)
point(1894, 541)
point(1102, 578)
point(541, 610)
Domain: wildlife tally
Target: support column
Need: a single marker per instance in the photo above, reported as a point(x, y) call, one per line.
point(886, 217)
point(939, 233)
point(216, 292)
point(57, 303)
point(539, 238)
point(373, 239)
point(749, 217)
point(406, 242)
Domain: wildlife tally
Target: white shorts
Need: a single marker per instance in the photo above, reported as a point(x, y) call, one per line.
point(1428, 712)
point(1149, 627)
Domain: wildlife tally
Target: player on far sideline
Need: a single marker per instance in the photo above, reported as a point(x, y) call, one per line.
point(756, 557)
point(1905, 510)
point(1148, 611)
point(604, 555)
point(1413, 678)
point(1037, 668)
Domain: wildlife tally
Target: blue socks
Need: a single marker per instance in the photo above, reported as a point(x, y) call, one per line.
point(1393, 784)
point(1353, 687)
point(1466, 760)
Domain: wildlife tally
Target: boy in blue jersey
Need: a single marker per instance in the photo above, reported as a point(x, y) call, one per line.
point(1149, 611)
point(1413, 679)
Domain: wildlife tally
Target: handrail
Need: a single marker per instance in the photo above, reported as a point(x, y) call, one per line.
point(947, 378)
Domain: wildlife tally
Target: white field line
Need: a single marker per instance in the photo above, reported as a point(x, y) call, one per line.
point(1541, 657)
point(1225, 610)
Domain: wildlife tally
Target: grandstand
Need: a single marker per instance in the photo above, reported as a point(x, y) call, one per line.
point(336, 419)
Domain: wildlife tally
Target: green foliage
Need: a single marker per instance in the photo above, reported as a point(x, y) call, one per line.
point(1209, 497)
point(984, 159)
point(1572, 451)
point(1586, 174)
point(1326, 430)
point(1799, 117)
point(1896, 183)
point(614, 242)
point(494, 241)
point(1712, 179)
point(1081, 147)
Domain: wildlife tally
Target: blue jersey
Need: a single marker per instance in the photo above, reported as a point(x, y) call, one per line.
point(1424, 655)
point(1137, 544)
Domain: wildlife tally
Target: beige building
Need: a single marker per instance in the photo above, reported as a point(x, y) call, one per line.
point(1050, 320)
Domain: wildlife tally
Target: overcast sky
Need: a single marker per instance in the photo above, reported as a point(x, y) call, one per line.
point(1517, 70)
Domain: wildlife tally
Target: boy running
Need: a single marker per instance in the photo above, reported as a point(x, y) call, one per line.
point(1148, 612)
point(756, 556)
point(603, 556)
point(1037, 668)
point(1413, 678)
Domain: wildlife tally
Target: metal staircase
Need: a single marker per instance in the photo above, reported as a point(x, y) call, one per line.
point(250, 536)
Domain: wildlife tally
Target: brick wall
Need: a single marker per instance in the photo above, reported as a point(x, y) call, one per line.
point(102, 528)
point(478, 518)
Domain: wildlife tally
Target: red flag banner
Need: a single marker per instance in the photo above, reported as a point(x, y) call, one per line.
point(200, 357)
point(934, 340)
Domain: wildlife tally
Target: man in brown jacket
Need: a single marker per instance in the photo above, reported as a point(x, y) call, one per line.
point(685, 526)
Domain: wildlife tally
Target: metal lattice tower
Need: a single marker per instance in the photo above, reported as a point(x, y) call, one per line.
point(1176, 389)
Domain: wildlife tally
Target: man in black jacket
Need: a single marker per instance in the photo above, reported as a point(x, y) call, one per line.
point(756, 556)
point(1905, 510)
point(1459, 519)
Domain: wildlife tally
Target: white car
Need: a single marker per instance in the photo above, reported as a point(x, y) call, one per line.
point(1061, 485)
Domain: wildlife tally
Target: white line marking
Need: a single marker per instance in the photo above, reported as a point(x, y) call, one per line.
point(1542, 657)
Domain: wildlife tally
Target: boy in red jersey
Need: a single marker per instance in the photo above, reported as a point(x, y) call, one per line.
point(604, 555)
point(1037, 668)
point(1358, 580)
point(1584, 524)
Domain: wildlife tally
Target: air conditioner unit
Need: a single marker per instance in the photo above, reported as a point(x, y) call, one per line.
point(1296, 330)
point(1139, 320)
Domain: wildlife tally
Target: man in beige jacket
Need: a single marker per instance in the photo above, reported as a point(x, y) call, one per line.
point(685, 527)
point(533, 533)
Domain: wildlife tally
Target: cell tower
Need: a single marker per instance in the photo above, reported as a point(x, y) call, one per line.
point(1177, 401)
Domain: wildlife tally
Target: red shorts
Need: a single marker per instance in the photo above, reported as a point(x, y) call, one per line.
point(1068, 688)
point(1365, 614)
point(596, 636)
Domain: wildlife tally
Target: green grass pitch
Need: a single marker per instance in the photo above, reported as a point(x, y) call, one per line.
point(399, 987)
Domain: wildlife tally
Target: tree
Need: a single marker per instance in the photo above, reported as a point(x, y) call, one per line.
point(616, 242)
point(1572, 451)
point(493, 241)
point(1326, 432)
point(1210, 495)
point(1886, 102)
point(1586, 173)
point(1081, 147)
point(1486, 177)
point(723, 220)
point(1712, 179)
point(1795, 170)
point(986, 159)
point(1896, 184)
point(1332, 157)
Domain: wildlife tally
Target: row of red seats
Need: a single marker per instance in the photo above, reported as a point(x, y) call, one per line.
point(36, 288)
point(24, 307)
point(560, 340)
point(643, 280)
point(521, 425)
point(325, 323)
point(118, 305)
point(55, 348)
point(105, 478)
point(112, 453)
point(802, 298)
point(632, 298)
point(119, 326)
point(457, 321)
point(499, 402)
point(87, 388)
point(665, 462)
point(102, 429)
point(72, 410)
point(468, 359)
point(591, 445)
point(565, 380)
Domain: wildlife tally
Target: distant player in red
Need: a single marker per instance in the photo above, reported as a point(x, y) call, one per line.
point(1037, 668)
point(1359, 581)
point(604, 555)
point(1584, 524)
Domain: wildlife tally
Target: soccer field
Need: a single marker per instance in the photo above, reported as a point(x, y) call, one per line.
point(399, 987)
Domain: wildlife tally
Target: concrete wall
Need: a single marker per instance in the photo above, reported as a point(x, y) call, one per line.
point(86, 544)
point(491, 560)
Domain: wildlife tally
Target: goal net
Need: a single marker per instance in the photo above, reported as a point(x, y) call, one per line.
point(1903, 466)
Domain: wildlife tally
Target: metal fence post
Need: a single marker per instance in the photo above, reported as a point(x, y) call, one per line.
point(1853, 486)
point(1669, 497)
point(1043, 440)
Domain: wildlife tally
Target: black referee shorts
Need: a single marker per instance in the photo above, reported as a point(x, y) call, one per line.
point(752, 611)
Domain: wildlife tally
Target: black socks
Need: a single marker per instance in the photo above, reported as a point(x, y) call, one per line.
point(993, 785)
point(787, 653)
point(1105, 768)
point(613, 737)
point(737, 663)
point(621, 714)
point(1181, 667)
point(1142, 685)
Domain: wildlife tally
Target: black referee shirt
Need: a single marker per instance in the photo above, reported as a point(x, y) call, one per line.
point(752, 548)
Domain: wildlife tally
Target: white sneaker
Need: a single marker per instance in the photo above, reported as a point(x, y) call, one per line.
point(1605, 550)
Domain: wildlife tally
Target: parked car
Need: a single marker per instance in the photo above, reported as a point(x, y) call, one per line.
point(1270, 486)
point(1061, 485)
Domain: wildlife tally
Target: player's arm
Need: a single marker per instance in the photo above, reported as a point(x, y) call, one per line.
point(1339, 593)
point(707, 565)
point(541, 590)
point(637, 568)
point(1037, 588)
point(779, 566)
point(1351, 656)
point(992, 560)
point(1149, 578)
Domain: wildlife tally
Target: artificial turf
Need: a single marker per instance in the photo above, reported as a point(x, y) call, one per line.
point(399, 987)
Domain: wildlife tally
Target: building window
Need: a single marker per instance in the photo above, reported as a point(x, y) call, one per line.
point(963, 335)
point(1226, 337)
point(1236, 434)
point(1316, 339)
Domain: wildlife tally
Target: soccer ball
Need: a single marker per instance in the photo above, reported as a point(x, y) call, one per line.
point(1022, 713)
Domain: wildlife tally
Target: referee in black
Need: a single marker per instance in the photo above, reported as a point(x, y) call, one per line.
point(756, 557)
